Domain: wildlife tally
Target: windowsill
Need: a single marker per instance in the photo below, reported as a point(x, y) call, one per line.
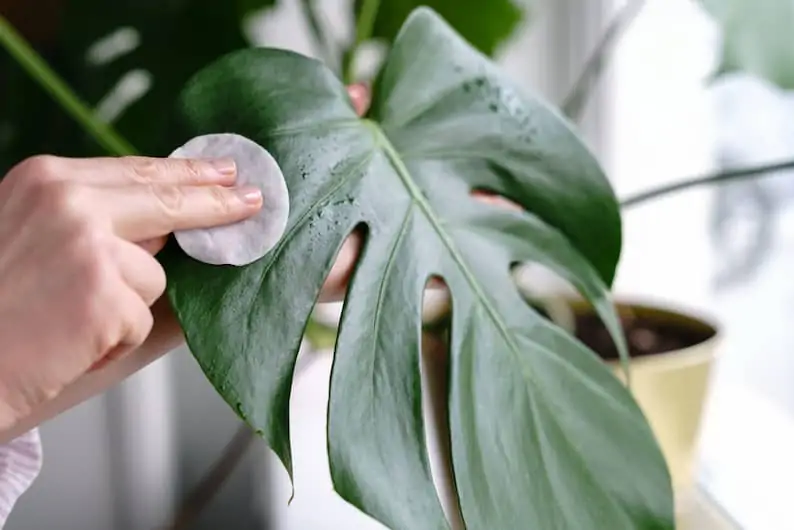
point(699, 512)
point(747, 466)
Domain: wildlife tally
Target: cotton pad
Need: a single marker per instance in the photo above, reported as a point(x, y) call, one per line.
point(248, 240)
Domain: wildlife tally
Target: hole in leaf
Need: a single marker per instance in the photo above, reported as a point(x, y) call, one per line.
point(546, 292)
point(557, 300)
point(321, 329)
point(311, 383)
point(435, 396)
point(494, 198)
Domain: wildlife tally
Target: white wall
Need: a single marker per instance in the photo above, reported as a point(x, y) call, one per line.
point(661, 129)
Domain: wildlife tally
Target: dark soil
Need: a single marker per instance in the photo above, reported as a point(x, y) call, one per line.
point(645, 336)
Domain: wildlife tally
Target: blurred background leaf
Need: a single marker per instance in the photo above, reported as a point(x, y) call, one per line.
point(484, 23)
point(128, 59)
point(756, 38)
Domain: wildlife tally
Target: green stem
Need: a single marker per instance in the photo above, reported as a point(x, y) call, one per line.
point(716, 178)
point(364, 24)
point(40, 71)
point(574, 103)
point(322, 41)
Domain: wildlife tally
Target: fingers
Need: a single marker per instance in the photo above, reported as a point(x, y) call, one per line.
point(154, 245)
point(136, 324)
point(140, 213)
point(129, 170)
point(140, 271)
point(117, 319)
point(164, 337)
point(143, 198)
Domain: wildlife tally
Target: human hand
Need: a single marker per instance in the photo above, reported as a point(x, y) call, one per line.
point(77, 271)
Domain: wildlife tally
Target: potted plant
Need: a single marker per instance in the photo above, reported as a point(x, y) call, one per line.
point(542, 433)
point(672, 353)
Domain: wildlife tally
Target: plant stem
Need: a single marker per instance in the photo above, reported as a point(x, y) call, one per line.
point(40, 71)
point(364, 24)
point(574, 103)
point(715, 178)
point(209, 486)
point(322, 41)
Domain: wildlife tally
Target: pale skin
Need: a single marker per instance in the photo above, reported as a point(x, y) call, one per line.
point(82, 304)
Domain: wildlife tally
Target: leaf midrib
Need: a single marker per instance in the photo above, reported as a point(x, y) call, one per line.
point(300, 223)
point(419, 199)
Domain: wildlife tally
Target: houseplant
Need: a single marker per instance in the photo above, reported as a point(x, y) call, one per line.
point(199, 114)
point(358, 456)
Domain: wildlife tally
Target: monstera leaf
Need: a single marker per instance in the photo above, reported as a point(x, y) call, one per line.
point(484, 23)
point(543, 435)
point(757, 37)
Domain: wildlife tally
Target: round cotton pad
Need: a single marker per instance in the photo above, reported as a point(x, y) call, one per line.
point(246, 241)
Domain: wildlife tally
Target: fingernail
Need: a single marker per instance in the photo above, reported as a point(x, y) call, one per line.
point(249, 194)
point(224, 166)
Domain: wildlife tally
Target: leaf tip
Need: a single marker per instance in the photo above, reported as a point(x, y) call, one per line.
point(292, 491)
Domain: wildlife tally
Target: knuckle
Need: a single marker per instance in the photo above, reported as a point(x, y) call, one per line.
point(142, 169)
point(59, 198)
point(95, 318)
point(153, 284)
point(35, 175)
point(170, 198)
point(159, 282)
point(190, 170)
point(39, 168)
point(138, 326)
point(97, 306)
point(145, 170)
point(221, 200)
point(92, 261)
point(105, 335)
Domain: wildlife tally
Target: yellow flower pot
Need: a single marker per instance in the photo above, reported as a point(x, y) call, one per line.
point(670, 386)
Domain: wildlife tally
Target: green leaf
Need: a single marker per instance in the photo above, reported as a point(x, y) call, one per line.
point(485, 24)
point(543, 435)
point(756, 37)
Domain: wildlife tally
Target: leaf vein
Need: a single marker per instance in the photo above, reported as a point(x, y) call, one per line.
point(387, 272)
point(314, 127)
point(421, 109)
point(301, 222)
point(419, 199)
